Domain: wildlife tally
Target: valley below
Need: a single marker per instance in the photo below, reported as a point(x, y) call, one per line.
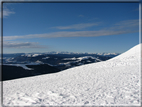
point(26, 65)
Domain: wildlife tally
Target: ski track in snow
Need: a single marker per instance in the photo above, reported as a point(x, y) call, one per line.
point(114, 82)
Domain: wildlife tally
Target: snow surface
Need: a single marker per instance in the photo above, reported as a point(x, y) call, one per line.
point(46, 58)
point(85, 57)
point(36, 55)
point(70, 58)
point(20, 65)
point(24, 65)
point(115, 82)
point(31, 55)
point(66, 64)
point(80, 58)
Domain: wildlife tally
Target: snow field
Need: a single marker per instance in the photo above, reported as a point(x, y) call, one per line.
point(115, 82)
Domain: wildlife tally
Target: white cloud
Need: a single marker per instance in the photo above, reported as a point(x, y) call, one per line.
point(6, 11)
point(128, 23)
point(13, 37)
point(21, 45)
point(77, 26)
point(123, 27)
point(137, 9)
point(71, 34)
point(81, 15)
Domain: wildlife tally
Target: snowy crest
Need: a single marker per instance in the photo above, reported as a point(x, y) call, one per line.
point(135, 51)
point(132, 56)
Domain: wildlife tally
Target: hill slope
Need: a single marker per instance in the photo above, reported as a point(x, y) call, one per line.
point(112, 82)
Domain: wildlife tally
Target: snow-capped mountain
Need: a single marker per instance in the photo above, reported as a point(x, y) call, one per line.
point(115, 82)
point(108, 54)
point(54, 52)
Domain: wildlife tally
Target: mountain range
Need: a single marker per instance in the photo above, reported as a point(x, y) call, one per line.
point(25, 65)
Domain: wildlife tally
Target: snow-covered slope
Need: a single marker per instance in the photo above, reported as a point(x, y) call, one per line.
point(113, 82)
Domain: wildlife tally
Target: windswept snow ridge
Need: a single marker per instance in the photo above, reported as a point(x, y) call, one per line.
point(115, 82)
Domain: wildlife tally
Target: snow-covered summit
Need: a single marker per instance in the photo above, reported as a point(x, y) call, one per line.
point(115, 82)
point(135, 51)
point(130, 57)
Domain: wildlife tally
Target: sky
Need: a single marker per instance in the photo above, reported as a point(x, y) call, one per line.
point(72, 27)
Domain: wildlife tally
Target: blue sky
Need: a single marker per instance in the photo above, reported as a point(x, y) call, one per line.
point(73, 27)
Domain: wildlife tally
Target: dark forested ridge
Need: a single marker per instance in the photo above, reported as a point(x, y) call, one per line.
point(15, 72)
